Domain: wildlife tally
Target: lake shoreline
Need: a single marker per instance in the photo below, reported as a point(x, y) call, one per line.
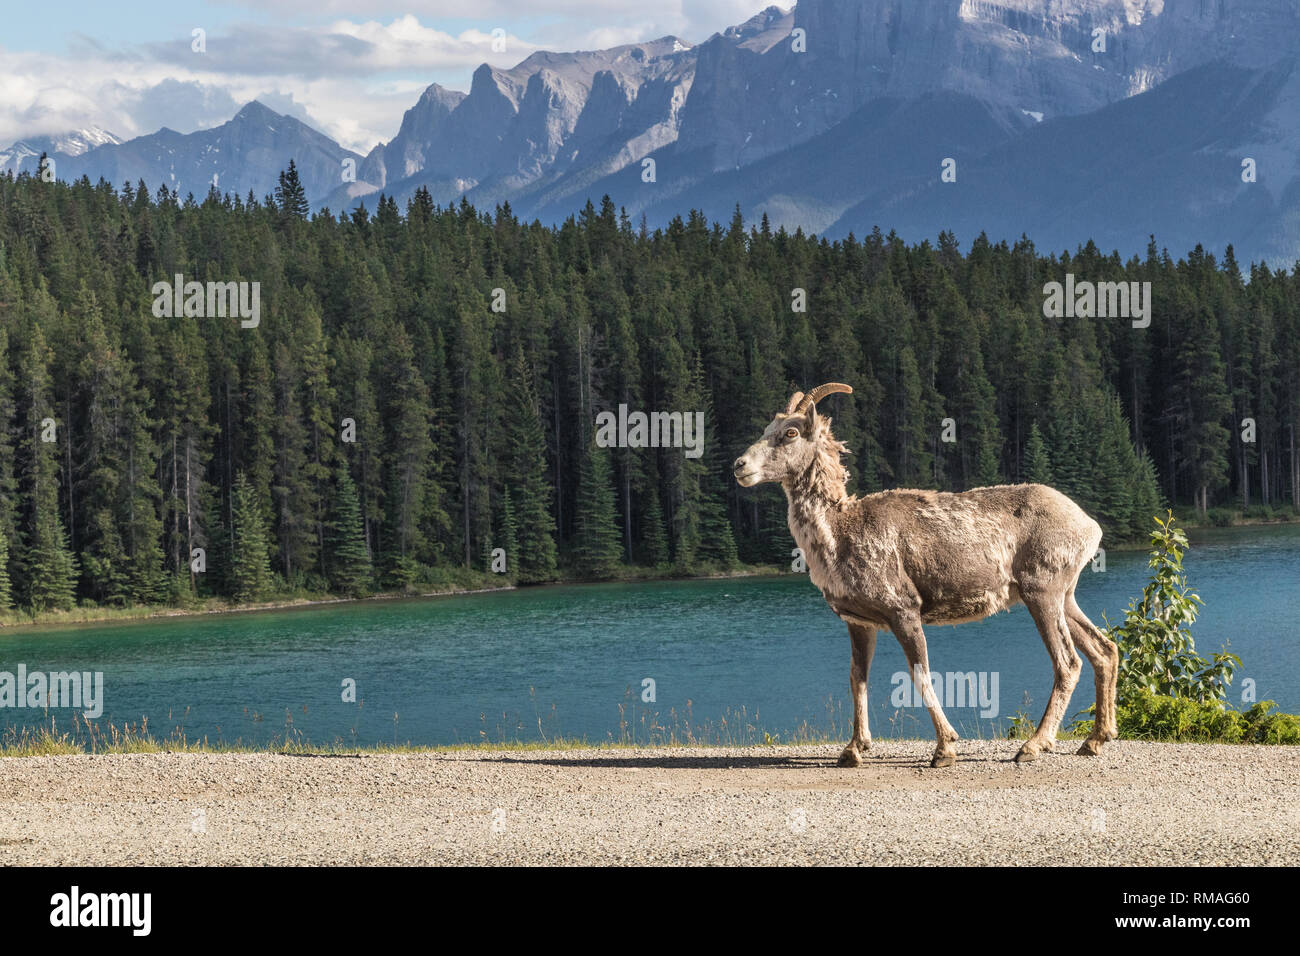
point(84, 615)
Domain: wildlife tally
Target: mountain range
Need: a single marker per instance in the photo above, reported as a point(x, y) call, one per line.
point(25, 155)
point(1064, 120)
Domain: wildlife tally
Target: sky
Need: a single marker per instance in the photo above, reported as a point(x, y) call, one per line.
point(350, 68)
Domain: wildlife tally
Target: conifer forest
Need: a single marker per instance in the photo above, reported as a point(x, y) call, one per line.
point(420, 389)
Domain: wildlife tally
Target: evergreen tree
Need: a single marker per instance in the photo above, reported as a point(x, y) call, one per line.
point(49, 568)
point(531, 491)
point(349, 561)
point(654, 536)
point(409, 451)
point(1114, 466)
point(290, 197)
point(250, 563)
point(218, 545)
point(6, 589)
point(508, 532)
point(1146, 498)
point(1202, 403)
point(914, 426)
point(597, 544)
point(294, 493)
point(8, 484)
point(717, 540)
point(1038, 465)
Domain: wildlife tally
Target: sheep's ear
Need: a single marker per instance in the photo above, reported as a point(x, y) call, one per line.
point(812, 421)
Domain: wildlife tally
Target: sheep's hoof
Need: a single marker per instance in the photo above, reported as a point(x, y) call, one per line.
point(850, 758)
point(943, 760)
point(1024, 756)
point(1090, 748)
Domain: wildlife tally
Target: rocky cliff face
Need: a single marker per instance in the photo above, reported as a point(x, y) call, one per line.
point(529, 124)
point(1046, 58)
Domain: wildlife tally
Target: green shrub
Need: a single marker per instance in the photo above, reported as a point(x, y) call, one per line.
point(1148, 716)
point(1157, 652)
point(1166, 690)
point(1221, 517)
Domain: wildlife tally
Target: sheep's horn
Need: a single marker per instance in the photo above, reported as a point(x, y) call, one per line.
point(794, 400)
point(820, 392)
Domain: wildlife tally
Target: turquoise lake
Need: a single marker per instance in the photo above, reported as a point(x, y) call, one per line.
point(730, 660)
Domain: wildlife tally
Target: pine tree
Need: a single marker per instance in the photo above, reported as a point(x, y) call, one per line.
point(474, 392)
point(1202, 405)
point(410, 448)
point(293, 491)
point(915, 467)
point(654, 537)
point(218, 547)
point(8, 485)
point(255, 426)
point(357, 400)
point(348, 560)
point(49, 571)
point(185, 448)
point(250, 563)
point(717, 540)
point(317, 399)
point(1114, 466)
point(507, 537)
point(99, 490)
point(531, 491)
point(6, 590)
point(1038, 464)
point(1145, 495)
point(290, 197)
point(597, 544)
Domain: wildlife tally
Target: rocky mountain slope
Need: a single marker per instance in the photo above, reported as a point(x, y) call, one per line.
point(246, 153)
point(25, 155)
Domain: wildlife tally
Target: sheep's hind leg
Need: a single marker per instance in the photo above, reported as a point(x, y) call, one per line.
point(907, 628)
point(1048, 611)
point(864, 648)
point(1103, 655)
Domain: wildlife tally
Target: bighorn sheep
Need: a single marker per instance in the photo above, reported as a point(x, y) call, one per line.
point(899, 559)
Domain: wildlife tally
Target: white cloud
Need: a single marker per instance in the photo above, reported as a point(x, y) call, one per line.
point(343, 47)
point(350, 77)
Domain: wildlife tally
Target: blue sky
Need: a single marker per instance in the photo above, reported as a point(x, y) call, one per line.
point(348, 67)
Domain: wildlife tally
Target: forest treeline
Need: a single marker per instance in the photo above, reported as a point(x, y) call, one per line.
point(394, 416)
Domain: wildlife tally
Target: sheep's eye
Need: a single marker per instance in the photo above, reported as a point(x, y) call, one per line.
point(792, 433)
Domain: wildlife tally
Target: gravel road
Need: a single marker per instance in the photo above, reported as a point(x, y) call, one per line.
point(1139, 803)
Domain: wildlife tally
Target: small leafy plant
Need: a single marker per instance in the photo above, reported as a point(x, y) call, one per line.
point(1166, 690)
point(1157, 652)
point(1148, 716)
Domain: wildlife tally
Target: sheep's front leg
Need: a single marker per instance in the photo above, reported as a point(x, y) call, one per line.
point(863, 639)
point(907, 628)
